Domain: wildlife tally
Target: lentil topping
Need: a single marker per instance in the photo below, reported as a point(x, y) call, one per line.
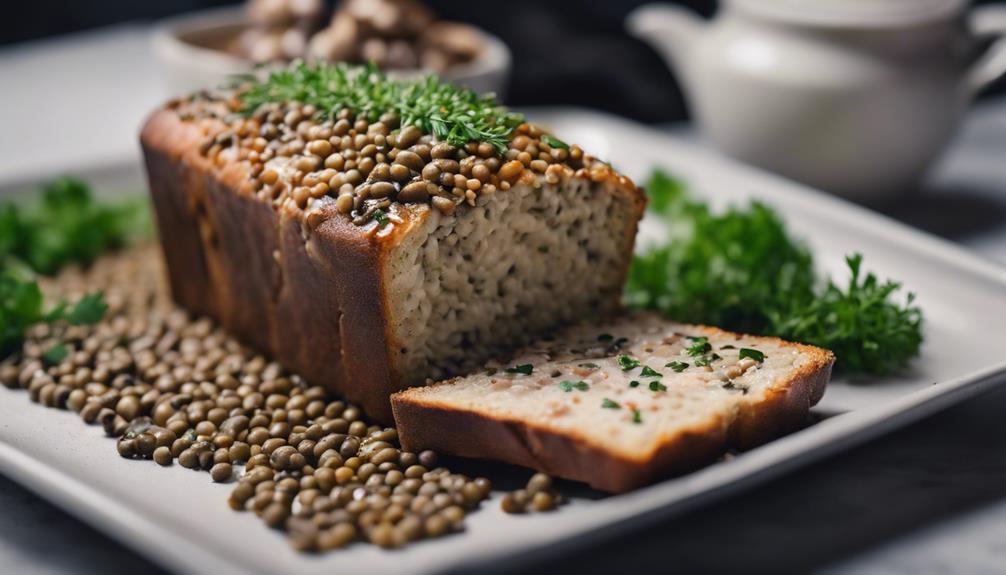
point(316, 135)
point(175, 388)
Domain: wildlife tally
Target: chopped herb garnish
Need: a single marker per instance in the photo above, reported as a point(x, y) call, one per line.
point(633, 383)
point(677, 366)
point(455, 115)
point(55, 354)
point(609, 404)
point(381, 218)
point(492, 371)
point(567, 385)
point(741, 269)
point(627, 363)
point(22, 306)
point(863, 324)
point(523, 369)
point(752, 353)
point(588, 365)
point(728, 346)
point(605, 337)
point(706, 360)
point(657, 386)
point(636, 417)
point(648, 371)
point(68, 225)
point(554, 142)
point(700, 346)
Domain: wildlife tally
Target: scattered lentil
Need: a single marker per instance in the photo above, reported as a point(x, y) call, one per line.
point(180, 388)
point(221, 472)
point(162, 456)
point(538, 495)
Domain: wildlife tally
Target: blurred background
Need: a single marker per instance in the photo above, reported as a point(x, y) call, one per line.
point(565, 51)
point(568, 52)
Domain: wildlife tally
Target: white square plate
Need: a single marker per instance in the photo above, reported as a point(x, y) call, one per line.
point(181, 519)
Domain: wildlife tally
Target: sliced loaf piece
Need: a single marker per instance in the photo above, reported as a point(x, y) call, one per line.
point(621, 405)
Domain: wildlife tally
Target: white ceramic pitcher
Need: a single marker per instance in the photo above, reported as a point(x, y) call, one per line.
point(857, 97)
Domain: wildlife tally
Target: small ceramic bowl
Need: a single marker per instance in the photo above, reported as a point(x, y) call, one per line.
point(190, 50)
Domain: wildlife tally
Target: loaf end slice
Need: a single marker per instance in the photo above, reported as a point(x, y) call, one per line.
point(621, 405)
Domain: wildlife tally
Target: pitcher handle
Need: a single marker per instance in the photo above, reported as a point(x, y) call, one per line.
point(988, 21)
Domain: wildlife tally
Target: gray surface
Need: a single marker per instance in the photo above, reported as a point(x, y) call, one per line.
point(927, 497)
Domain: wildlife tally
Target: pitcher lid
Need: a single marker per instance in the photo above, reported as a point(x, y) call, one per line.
point(858, 13)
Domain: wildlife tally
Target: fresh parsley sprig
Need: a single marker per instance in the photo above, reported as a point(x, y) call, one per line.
point(452, 114)
point(22, 306)
point(67, 225)
point(866, 327)
point(742, 270)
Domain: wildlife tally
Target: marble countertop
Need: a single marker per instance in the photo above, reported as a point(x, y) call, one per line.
point(930, 498)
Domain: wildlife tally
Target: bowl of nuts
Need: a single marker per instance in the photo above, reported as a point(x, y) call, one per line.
point(207, 49)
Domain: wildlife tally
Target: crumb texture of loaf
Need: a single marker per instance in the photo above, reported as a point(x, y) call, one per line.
point(368, 310)
point(465, 288)
point(621, 405)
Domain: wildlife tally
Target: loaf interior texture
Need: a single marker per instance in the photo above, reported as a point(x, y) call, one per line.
point(467, 287)
point(620, 405)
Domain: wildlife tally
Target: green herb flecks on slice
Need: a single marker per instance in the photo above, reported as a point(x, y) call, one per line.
point(677, 366)
point(605, 337)
point(636, 417)
point(568, 386)
point(523, 369)
point(657, 386)
point(752, 353)
point(381, 218)
point(609, 404)
point(627, 363)
point(707, 360)
point(648, 371)
point(700, 346)
point(588, 365)
point(633, 383)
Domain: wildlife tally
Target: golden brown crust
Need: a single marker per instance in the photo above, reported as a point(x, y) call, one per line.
point(315, 305)
point(425, 424)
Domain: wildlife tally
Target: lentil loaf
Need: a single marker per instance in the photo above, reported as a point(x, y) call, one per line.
point(370, 255)
point(621, 405)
